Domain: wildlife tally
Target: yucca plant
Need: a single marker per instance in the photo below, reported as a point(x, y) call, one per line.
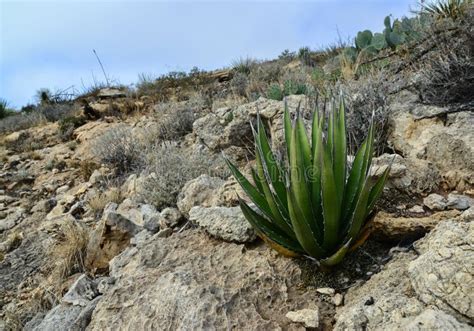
point(446, 8)
point(315, 206)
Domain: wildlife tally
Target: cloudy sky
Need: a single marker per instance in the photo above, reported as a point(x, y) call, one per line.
point(49, 44)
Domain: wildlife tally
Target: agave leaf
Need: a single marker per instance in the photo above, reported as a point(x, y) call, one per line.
point(337, 257)
point(273, 170)
point(314, 131)
point(303, 143)
point(317, 138)
point(257, 180)
point(268, 229)
point(257, 198)
point(330, 133)
point(377, 190)
point(298, 167)
point(363, 234)
point(288, 129)
point(353, 184)
point(359, 215)
point(368, 152)
point(331, 208)
point(340, 151)
point(278, 216)
point(302, 228)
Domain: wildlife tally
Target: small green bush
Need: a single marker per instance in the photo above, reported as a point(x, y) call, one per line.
point(275, 92)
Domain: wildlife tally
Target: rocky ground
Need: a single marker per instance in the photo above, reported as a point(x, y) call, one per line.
point(199, 265)
point(84, 245)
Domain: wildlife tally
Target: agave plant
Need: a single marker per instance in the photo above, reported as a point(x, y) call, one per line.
point(315, 206)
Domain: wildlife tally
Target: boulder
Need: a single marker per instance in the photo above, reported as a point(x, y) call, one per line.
point(190, 281)
point(225, 223)
point(435, 202)
point(199, 192)
point(440, 277)
point(441, 143)
point(111, 236)
point(443, 274)
point(458, 201)
point(170, 217)
point(394, 228)
point(308, 317)
point(111, 93)
point(82, 292)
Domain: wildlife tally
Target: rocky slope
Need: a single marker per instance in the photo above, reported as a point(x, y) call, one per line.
point(85, 245)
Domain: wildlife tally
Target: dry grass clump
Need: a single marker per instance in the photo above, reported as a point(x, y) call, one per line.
point(169, 167)
point(67, 255)
point(87, 167)
point(98, 202)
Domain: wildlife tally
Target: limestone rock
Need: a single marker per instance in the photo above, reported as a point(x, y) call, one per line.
point(12, 219)
point(170, 217)
point(447, 145)
point(190, 281)
point(435, 202)
point(441, 277)
point(67, 317)
point(458, 201)
point(309, 317)
point(391, 227)
point(198, 192)
point(326, 290)
point(111, 93)
point(82, 292)
point(44, 206)
point(431, 319)
point(225, 223)
point(111, 236)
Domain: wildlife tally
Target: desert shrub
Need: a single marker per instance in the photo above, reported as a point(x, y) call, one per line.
point(21, 121)
point(67, 126)
point(244, 65)
point(287, 56)
point(54, 163)
point(4, 109)
point(86, 168)
point(239, 84)
point(290, 87)
point(365, 97)
point(170, 166)
point(172, 122)
point(275, 92)
point(165, 86)
point(448, 76)
point(54, 112)
point(304, 54)
point(120, 149)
